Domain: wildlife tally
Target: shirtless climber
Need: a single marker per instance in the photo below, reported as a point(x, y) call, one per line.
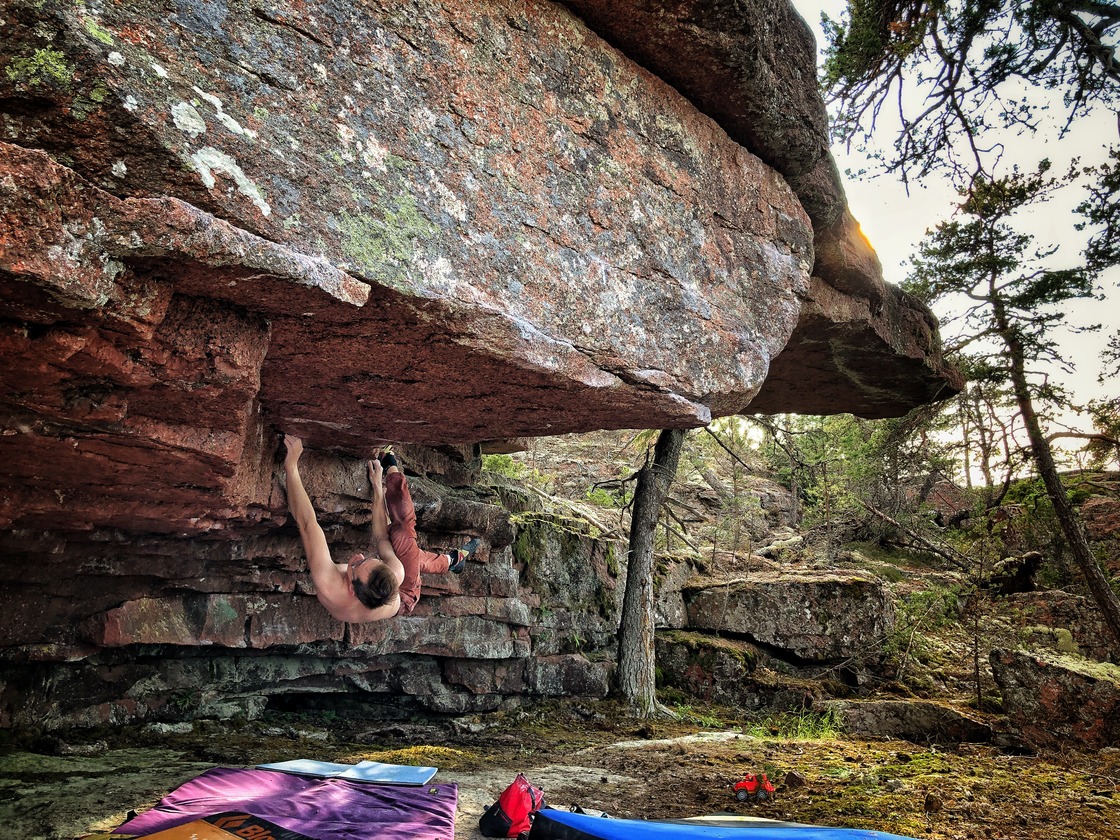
point(385, 582)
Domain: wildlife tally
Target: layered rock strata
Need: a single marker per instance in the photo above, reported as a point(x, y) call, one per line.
point(107, 627)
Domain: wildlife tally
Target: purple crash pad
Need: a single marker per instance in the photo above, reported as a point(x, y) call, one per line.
point(325, 809)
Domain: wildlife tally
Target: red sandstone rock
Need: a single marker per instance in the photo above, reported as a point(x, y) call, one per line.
point(553, 242)
point(1102, 517)
point(1053, 702)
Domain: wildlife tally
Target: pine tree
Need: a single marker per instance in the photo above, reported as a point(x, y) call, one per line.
point(1016, 300)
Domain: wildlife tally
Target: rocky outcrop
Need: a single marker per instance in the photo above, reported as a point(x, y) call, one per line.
point(839, 339)
point(812, 617)
point(752, 68)
point(1052, 702)
point(439, 223)
point(1102, 517)
point(730, 672)
point(434, 224)
point(1013, 575)
point(1061, 621)
point(105, 627)
point(760, 503)
point(919, 721)
point(777, 641)
point(517, 193)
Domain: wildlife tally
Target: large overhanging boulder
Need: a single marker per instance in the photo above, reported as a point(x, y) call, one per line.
point(432, 223)
point(860, 345)
point(441, 223)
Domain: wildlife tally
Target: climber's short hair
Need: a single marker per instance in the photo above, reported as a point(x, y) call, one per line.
point(379, 589)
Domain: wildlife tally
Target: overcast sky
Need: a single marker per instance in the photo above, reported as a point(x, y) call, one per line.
point(895, 223)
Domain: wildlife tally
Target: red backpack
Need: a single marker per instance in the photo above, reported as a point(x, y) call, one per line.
point(513, 811)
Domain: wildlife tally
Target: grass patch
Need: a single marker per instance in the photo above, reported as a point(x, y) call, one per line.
point(802, 726)
point(697, 717)
point(504, 465)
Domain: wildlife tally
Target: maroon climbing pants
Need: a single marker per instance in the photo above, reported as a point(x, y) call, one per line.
point(402, 533)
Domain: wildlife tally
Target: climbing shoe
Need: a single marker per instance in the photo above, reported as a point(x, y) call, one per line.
point(460, 556)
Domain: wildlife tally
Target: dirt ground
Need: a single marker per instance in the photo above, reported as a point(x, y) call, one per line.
point(61, 788)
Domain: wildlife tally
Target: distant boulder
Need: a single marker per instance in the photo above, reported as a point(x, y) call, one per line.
point(920, 721)
point(1015, 574)
point(1102, 517)
point(807, 616)
point(1057, 702)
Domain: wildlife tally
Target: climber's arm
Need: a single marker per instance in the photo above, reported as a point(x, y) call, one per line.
point(379, 521)
point(330, 586)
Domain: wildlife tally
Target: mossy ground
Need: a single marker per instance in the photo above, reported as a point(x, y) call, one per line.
point(646, 770)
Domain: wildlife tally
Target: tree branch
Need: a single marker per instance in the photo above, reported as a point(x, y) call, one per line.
point(918, 539)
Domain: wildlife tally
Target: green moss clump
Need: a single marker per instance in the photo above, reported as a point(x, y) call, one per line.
point(891, 574)
point(611, 558)
point(1061, 638)
point(504, 465)
point(605, 603)
point(97, 31)
point(1085, 667)
point(1066, 643)
point(527, 545)
point(86, 103)
point(383, 246)
point(43, 67)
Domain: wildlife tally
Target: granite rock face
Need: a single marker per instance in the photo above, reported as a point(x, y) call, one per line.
point(814, 617)
point(1102, 517)
point(859, 341)
point(837, 354)
point(534, 208)
point(437, 224)
point(1062, 621)
point(1053, 701)
point(778, 641)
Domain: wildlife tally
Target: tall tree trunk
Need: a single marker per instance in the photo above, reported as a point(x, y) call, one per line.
point(963, 407)
point(1068, 519)
point(635, 674)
